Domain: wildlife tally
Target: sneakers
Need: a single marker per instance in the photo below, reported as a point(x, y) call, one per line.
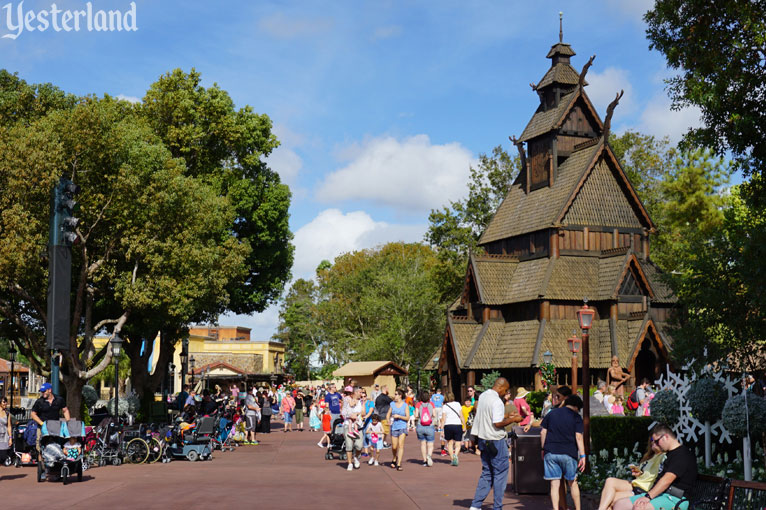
point(454, 460)
point(376, 463)
point(320, 445)
point(365, 455)
point(255, 443)
point(350, 467)
point(356, 463)
point(371, 462)
point(444, 452)
point(429, 462)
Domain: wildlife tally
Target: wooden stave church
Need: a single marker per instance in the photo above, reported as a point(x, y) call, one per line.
point(571, 227)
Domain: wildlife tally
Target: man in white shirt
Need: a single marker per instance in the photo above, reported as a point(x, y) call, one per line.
point(489, 425)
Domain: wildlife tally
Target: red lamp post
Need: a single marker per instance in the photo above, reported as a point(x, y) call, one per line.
point(585, 316)
point(574, 347)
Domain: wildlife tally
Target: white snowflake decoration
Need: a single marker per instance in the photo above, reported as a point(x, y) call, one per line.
point(689, 428)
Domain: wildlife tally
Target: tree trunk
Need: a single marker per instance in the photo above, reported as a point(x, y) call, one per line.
point(73, 385)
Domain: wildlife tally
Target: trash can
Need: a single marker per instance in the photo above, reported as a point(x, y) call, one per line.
point(527, 462)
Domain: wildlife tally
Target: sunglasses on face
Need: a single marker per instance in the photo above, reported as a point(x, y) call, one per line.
point(657, 441)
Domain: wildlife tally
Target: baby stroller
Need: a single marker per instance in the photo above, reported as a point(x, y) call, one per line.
point(25, 444)
point(337, 441)
point(53, 440)
point(102, 444)
point(222, 439)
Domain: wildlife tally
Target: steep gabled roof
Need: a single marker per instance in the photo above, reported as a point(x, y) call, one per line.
point(503, 280)
point(463, 335)
point(662, 293)
point(544, 121)
point(521, 212)
point(504, 345)
point(593, 208)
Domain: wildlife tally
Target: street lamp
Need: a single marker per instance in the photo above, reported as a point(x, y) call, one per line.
point(172, 372)
point(116, 348)
point(585, 316)
point(193, 362)
point(184, 360)
point(276, 362)
point(12, 356)
point(574, 347)
point(548, 357)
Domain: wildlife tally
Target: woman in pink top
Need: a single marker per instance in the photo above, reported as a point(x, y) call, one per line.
point(521, 405)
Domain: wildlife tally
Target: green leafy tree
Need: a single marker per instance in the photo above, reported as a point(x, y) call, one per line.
point(381, 304)
point(150, 238)
point(718, 49)
point(720, 286)
point(299, 329)
point(455, 229)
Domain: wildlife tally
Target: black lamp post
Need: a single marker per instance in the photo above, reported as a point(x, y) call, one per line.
point(585, 316)
point(184, 360)
point(192, 361)
point(116, 348)
point(12, 356)
point(172, 372)
point(276, 362)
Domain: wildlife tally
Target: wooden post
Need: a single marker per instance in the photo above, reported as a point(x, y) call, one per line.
point(545, 310)
point(538, 381)
point(470, 378)
point(586, 238)
point(615, 238)
point(554, 244)
point(485, 314)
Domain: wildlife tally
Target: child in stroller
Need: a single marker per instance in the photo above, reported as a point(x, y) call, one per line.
point(61, 450)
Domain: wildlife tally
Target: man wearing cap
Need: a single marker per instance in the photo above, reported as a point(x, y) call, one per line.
point(48, 406)
point(523, 407)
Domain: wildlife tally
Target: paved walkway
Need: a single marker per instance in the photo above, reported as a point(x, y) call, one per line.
point(286, 471)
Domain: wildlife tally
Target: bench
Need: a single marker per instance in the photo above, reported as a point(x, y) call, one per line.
point(715, 493)
point(707, 493)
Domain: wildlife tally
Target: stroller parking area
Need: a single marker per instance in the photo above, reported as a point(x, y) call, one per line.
point(284, 471)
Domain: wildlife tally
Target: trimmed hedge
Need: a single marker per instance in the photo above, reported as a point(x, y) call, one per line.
point(610, 432)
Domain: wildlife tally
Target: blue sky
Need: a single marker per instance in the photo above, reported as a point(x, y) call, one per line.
point(381, 106)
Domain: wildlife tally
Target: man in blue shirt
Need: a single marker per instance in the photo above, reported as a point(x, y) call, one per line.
point(437, 399)
point(563, 447)
point(333, 399)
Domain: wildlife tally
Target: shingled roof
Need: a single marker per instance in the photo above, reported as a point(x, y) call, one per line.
point(503, 345)
point(544, 120)
point(464, 336)
point(662, 293)
point(584, 173)
point(505, 280)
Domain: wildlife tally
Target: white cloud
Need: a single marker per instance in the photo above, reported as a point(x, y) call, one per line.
point(284, 26)
point(332, 232)
point(130, 99)
point(603, 87)
point(634, 9)
point(387, 32)
point(410, 173)
point(659, 120)
point(286, 163)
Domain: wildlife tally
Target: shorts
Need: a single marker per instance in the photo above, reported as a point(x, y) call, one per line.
point(353, 443)
point(398, 432)
point(453, 432)
point(663, 502)
point(298, 415)
point(425, 432)
point(250, 422)
point(557, 465)
point(386, 427)
point(288, 418)
point(438, 416)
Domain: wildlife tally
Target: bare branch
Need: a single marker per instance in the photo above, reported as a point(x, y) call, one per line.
point(23, 294)
point(108, 357)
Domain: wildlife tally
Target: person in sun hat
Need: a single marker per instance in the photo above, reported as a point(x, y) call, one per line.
point(523, 407)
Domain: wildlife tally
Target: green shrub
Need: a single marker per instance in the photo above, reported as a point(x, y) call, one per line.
point(89, 395)
point(612, 433)
point(488, 380)
point(664, 407)
point(535, 400)
point(705, 396)
point(737, 421)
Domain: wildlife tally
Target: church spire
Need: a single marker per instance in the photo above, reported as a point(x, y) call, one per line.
point(561, 27)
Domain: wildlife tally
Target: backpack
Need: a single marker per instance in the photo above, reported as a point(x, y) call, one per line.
point(425, 414)
point(30, 433)
point(632, 403)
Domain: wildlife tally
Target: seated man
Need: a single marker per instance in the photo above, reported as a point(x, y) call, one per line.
point(678, 473)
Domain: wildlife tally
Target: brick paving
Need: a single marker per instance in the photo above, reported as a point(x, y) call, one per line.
point(286, 471)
